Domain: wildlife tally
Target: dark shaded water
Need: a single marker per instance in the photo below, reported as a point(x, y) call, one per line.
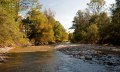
point(56, 61)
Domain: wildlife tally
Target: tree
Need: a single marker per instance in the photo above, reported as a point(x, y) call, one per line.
point(10, 33)
point(58, 31)
point(114, 27)
point(42, 28)
point(118, 3)
point(102, 21)
point(39, 28)
point(80, 23)
point(28, 5)
point(96, 6)
point(92, 34)
point(91, 25)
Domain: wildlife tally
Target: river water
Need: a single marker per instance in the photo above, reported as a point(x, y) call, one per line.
point(55, 61)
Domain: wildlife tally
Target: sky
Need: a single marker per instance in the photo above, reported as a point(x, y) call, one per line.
point(65, 10)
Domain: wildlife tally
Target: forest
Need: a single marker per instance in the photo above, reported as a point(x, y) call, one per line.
point(36, 28)
point(96, 25)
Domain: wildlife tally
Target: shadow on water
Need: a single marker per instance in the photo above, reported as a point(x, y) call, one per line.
point(28, 62)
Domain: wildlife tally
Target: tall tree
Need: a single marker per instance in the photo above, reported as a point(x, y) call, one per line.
point(10, 33)
point(80, 23)
point(96, 6)
point(114, 28)
point(29, 4)
point(39, 27)
point(91, 28)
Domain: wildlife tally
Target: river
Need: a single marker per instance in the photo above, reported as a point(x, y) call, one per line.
point(53, 61)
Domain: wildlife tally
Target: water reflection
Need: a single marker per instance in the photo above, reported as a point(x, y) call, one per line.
point(29, 62)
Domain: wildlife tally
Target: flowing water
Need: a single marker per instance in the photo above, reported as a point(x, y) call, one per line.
point(53, 61)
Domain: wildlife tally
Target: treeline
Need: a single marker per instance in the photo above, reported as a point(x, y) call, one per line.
point(10, 33)
point(36, 28)
point(94, 25)
point(42, 28)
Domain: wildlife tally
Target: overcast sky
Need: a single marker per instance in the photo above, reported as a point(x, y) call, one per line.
point(65, 10)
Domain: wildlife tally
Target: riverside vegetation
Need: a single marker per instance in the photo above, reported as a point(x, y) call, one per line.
point(95, 25)
point(37, 27)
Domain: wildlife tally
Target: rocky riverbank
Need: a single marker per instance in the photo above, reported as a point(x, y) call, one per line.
point(104, 55)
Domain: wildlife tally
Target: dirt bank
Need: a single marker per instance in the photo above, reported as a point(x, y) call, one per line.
point(32, 49)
